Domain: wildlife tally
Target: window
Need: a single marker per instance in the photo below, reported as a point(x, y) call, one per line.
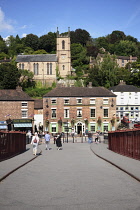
point(92, 112)
point(92, 127)
point(24, 113)
point(105, 127)
point(53, 101)
point(92, 100)
point(53, 113)
point(49, 68)
point(24, 104)
point(132, 108)
point(53, 128)
point(79, 100)
point(137, 108)
point(126, 108)
point(121, 108)
point(132, 114)
point(79, 112)
point(63, 67)
point(121, 114)
point(36, 66)
point(137, 114)
point(66, 101)
point(66, 113)
point(21, 66)
point(63, 44)
point(105, 100)
point(105, 112)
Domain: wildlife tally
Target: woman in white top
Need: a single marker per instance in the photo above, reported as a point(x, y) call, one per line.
point(35, 141)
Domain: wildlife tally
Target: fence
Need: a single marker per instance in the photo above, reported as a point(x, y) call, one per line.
point(125, 142)
point(11, 144)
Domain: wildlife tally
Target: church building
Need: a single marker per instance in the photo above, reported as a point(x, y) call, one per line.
point(47, 67)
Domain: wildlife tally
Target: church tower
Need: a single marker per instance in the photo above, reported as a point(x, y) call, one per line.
point(63, 54)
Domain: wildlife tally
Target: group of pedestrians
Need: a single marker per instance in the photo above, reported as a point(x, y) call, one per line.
point(90, 137)
point(35, 142)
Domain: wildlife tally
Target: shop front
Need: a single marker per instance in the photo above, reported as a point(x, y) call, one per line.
point(22, 125)
point(3, 125)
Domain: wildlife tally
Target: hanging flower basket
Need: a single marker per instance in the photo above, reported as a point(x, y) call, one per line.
point(99, 121)
point(86, 121)
point(47, 122)
point(60, 122)
point(72, 122)
point(112, 121)
point(117, 119)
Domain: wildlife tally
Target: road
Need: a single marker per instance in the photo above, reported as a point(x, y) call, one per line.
point(69, 179)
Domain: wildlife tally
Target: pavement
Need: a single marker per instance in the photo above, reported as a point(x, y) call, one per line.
point(126, 164)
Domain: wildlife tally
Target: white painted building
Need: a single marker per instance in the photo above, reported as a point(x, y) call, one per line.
point(127, 101)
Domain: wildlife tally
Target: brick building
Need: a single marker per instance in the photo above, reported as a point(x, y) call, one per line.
point(79, 108)
point(16, 109)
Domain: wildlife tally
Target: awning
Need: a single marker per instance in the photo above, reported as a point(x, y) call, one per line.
point(23, 125)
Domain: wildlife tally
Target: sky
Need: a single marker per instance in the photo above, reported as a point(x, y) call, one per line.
point(97, 17)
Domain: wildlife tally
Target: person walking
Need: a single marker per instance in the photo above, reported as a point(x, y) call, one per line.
point(89, 137)
point(47, 140)
point(34, 142)
point(58, 142)
point(97, 138)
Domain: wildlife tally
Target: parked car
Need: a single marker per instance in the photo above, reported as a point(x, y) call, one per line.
point(137, 125)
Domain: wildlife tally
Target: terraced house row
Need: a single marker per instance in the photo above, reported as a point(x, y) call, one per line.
point(77, 108)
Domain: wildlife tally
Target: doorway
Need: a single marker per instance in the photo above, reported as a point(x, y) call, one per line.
point(79, 128)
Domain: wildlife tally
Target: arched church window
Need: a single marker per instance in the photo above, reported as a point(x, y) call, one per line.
point(47, 68)
point(50, 68)
point(63, 67)
point(36, 66)
point(63, 44)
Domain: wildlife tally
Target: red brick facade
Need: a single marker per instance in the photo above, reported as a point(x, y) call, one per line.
point(89, 110)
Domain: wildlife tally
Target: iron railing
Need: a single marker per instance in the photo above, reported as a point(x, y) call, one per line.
point(125, 142)
point(11, 144)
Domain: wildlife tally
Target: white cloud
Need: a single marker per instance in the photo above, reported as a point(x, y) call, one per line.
point(4, 25)
point(23, 27)
point(24, 35)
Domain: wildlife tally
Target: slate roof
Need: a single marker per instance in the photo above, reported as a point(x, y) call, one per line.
point(37, 58)
point(14, 95)
point(38, 104)
point(80, 92)
point(124, 88)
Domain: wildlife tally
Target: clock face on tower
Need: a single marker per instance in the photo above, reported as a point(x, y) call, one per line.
point(63, 56)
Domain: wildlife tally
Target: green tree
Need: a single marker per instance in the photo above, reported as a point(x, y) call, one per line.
point(26, 79)
point(9, 76)
point(40, 52)
point(102, 42)
point(80, 36)
point(126, 48)
point(104, 73)
point(48, 42)
point(32, 41)
point(116, 36)
point(3, 47)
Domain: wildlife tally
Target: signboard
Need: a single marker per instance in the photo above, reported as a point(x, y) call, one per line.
point(22, 121)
